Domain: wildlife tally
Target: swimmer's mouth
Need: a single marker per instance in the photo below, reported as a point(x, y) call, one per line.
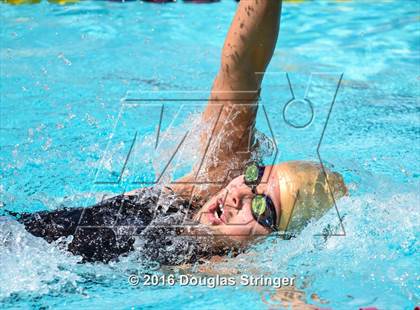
point(216, 214)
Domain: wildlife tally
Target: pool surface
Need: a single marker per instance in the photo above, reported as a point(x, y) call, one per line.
point(70, 73)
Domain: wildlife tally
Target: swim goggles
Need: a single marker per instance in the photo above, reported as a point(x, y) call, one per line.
point(262, 207)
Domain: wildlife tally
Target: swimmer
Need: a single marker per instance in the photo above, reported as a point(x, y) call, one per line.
point(228, 195)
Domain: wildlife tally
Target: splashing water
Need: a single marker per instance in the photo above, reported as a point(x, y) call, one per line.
point(31, 265)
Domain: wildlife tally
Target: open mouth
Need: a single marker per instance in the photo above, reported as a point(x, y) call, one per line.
point(219, 210)
point(215, 213)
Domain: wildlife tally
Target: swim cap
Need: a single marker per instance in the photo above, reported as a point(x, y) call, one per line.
point(306, 191)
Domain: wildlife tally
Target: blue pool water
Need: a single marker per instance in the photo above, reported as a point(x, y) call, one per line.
point(65, 132)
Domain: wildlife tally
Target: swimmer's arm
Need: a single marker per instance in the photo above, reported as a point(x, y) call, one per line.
point(232, 108)
point(249, 46)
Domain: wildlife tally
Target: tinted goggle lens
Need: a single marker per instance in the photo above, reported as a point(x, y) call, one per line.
point(253, 174)
point(258, 205)
point(263, 211)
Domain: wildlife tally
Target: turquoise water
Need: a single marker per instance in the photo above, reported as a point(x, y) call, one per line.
point(66, 130)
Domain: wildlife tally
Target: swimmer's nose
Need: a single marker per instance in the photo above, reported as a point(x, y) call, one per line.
point(233, 199)
point(231, 206)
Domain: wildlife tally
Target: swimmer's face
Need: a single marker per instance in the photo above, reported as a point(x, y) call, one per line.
point(228, 213)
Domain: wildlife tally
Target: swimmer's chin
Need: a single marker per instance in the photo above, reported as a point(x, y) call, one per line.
point(215, 238)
